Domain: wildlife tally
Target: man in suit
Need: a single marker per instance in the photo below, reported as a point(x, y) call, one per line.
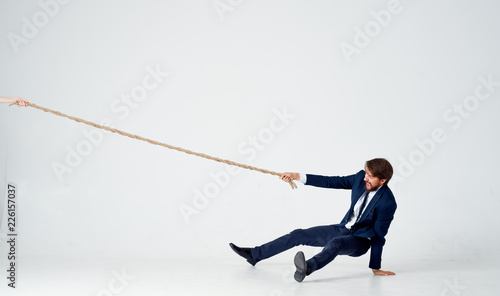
point(364, 226)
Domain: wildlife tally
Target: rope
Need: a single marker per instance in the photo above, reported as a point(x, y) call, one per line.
point(116, 131)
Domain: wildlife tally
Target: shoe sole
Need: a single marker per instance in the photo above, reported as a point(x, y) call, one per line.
point(300, 264)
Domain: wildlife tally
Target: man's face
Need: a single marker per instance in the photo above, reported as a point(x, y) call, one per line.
point(372, 183)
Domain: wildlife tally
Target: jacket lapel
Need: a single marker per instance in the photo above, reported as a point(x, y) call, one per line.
point(372, 203)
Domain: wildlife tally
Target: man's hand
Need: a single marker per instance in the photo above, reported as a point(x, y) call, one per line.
point(14, 100)
point(20, 102)
point(382, 272)
point(287, 177)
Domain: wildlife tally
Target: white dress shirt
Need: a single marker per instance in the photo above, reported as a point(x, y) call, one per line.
point(357, 206)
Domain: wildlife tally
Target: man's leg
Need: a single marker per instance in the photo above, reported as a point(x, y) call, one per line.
point(346, 245)
point(317, 236)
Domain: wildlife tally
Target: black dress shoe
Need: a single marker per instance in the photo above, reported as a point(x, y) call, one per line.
point(301, 265)
point(243, 252)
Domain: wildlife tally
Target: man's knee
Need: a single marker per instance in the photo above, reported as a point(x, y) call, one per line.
point(307, 237)
point(301, 237)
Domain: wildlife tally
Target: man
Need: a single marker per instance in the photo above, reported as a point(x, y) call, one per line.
point(365, 224)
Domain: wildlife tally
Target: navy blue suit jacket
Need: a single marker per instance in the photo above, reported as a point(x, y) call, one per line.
point(377, 216)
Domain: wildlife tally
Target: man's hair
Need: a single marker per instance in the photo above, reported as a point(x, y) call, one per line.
point(380, 168)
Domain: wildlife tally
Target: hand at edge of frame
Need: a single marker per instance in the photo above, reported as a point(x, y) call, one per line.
point(382, 272)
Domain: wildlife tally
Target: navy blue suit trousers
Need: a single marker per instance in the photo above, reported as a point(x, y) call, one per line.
point(335, 240)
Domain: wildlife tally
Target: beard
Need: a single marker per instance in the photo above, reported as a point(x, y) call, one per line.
point(370, 187)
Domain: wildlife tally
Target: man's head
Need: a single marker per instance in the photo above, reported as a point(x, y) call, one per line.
point(378, 172)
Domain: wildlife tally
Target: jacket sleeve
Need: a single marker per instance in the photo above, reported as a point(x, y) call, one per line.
point(346, 182)
point(381, 226)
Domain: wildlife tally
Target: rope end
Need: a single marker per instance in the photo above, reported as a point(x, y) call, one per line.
point(293, 185)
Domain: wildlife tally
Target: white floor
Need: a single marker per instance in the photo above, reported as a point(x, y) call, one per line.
point(235, 277)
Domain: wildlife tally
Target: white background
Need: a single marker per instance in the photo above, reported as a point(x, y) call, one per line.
point(229, 73)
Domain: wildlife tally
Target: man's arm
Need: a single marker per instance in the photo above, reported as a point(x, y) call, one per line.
point(321, 181)
point(381, 227)
point(16, 100)
point(337, 182)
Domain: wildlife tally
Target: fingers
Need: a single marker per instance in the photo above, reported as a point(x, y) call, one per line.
point(287, 177)
point(22, 103)
point(384, 273)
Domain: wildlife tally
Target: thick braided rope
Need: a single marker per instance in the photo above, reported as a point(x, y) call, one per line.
point(116, 131)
